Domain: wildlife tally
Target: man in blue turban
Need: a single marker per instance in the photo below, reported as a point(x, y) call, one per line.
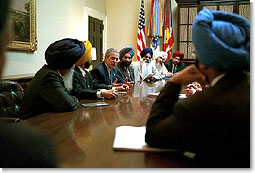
point(214, 123)
point(50, 87)
point(123, 66)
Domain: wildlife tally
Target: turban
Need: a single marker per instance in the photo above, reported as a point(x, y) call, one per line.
point(4, 10)
point(162, 54)
point(222, 40)
point(177, 53)
point(63, 54)
point(145, 51)
point(125, 50)
point(87, 54)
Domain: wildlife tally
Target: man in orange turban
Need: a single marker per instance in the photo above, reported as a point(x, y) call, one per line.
point(84, 87)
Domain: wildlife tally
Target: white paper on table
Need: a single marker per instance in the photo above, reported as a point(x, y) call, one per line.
point(133, 139)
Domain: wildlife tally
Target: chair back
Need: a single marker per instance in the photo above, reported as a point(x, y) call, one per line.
point(11, 95)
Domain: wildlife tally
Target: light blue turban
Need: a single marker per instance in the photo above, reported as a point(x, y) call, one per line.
point(125, 50)
point(222, 40)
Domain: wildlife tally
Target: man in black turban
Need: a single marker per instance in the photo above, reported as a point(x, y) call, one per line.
point(124, 69)
point(49, 89)
point(21, 146)
point(215, 122)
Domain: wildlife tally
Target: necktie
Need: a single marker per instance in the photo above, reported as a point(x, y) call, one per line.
point(128, 73)
point(111, 76)
point(173, 70)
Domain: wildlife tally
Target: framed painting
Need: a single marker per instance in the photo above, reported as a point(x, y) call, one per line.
point(23, 18)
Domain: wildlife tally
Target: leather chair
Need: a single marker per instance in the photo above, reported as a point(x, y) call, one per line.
point(11, 95)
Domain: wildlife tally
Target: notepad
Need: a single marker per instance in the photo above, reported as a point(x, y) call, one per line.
point(155, 95)
point(131, 138)
point(97, 104)
point(148, 77)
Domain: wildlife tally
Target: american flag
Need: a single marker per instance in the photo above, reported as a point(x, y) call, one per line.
point(141, 42)
point(168, 29)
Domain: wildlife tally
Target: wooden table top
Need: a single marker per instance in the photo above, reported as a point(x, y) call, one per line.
point(84, 138)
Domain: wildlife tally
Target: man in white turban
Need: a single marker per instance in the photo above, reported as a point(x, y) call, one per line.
point(160, 66)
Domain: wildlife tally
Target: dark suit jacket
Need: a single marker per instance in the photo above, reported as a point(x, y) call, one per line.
point(169, 66)
point(100, 74)
point(85, 88)
point(23, 146)
point(123, 73)
point(46, 93)
point(214, 123)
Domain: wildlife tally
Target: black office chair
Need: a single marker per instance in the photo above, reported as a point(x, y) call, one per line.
point(11, 95)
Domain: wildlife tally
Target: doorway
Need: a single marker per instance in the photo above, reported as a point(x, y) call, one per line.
point(96, 28)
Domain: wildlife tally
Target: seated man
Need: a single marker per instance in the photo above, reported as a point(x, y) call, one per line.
point(175, 65)
point(84, 87)
point(106, 72)
point(50, 87)
point(160, 65)
point(124, 68)
point(215, 122)
point(21, 146)
point(147, 69)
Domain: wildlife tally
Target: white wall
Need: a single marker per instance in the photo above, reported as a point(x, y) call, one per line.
point(98, 5)
point(56, 19)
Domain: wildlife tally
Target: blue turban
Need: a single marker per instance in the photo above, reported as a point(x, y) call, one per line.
point(63, 54)
point(145, 51)
point(222, 40)
point(125, 50)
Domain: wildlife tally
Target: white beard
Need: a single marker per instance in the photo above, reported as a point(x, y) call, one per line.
point(68, 79)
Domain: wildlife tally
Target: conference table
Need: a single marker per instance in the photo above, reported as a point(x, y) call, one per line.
point(84, 138)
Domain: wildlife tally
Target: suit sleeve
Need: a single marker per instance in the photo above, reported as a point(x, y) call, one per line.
point(53, 92)
point(96, 75)
point(80, 92)
point(97, 83)
point(169, 125)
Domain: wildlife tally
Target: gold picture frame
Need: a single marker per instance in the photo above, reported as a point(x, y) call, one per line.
point(23, 25)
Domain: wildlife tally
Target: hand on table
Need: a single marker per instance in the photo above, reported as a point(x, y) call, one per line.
point(110, 95)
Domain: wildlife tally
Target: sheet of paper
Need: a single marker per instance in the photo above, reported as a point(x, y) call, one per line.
point(155, 95)
point(133, 139)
